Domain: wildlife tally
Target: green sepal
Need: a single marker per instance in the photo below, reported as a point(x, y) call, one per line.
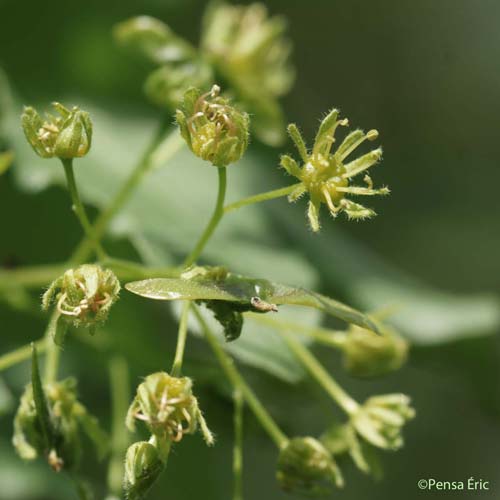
point(57, 329)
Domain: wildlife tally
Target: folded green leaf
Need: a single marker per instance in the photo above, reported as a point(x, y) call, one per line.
point(244, 291)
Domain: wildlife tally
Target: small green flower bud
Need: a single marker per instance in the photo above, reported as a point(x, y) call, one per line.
point(367, 354)
point(167, 406)
point(83, 295)
point(213, 129)
point(380, 420)
point(143, 465)
point(326, 176)
point(306, 467)
point(66, 136)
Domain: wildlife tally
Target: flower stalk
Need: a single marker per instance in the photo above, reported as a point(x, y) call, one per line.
point(79, 209)
point(227, 365)
point(313, 366)
point(214, 220)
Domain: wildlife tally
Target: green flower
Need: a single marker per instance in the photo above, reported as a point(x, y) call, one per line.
point(66, 136)
point(68, 417)
point(367, 354)
point(306, 467)
point(213, 129)
point(168, 408)
point(250, 51)
point(380, 420)
point(326, 176)
point(84, 296)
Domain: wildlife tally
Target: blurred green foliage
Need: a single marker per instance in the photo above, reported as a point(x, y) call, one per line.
point(426, 75)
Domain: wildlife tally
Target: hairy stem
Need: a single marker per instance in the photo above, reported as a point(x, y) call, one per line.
point(79, 209)
point(317, 371)
point(181, 340)
point(53, 352)
point(238, 446)
point(227, 365)
point(162, 148)
point(258, 198)
point(120, 396)
point(214, 221)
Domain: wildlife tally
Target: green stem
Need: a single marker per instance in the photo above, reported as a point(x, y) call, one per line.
point(227, 365)
point(317, 371)
point(181, 340)
point(258, 198)
point(238, 446)
point(214, 221)
point(160, 151)
point(79, 209)
point(120, 395)
point(53, 352)
point(40, 276)
point(21, 354)
point(325, 336)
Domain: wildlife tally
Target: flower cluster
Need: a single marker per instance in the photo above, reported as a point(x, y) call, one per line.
point(326, 176)
point(65, 135)
point(83, 295)
point(213, 129)
point(67, 418)
point(241, 45)
point(249, 50)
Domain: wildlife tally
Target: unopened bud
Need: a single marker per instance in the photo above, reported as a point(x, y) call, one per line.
point(213, 129)
point(367, 354)
point(306, 467)
point(66, 135)
point(142, 467)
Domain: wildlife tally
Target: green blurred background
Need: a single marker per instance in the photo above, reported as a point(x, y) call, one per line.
point(426, 74)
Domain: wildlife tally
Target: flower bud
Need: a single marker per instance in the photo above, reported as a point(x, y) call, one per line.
point(213, 129)
point(66, 136)
point(167, 406)
point(380, 420)
point(142, 467)
point(83, 295)
point(306, 467)
point(367, 354)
